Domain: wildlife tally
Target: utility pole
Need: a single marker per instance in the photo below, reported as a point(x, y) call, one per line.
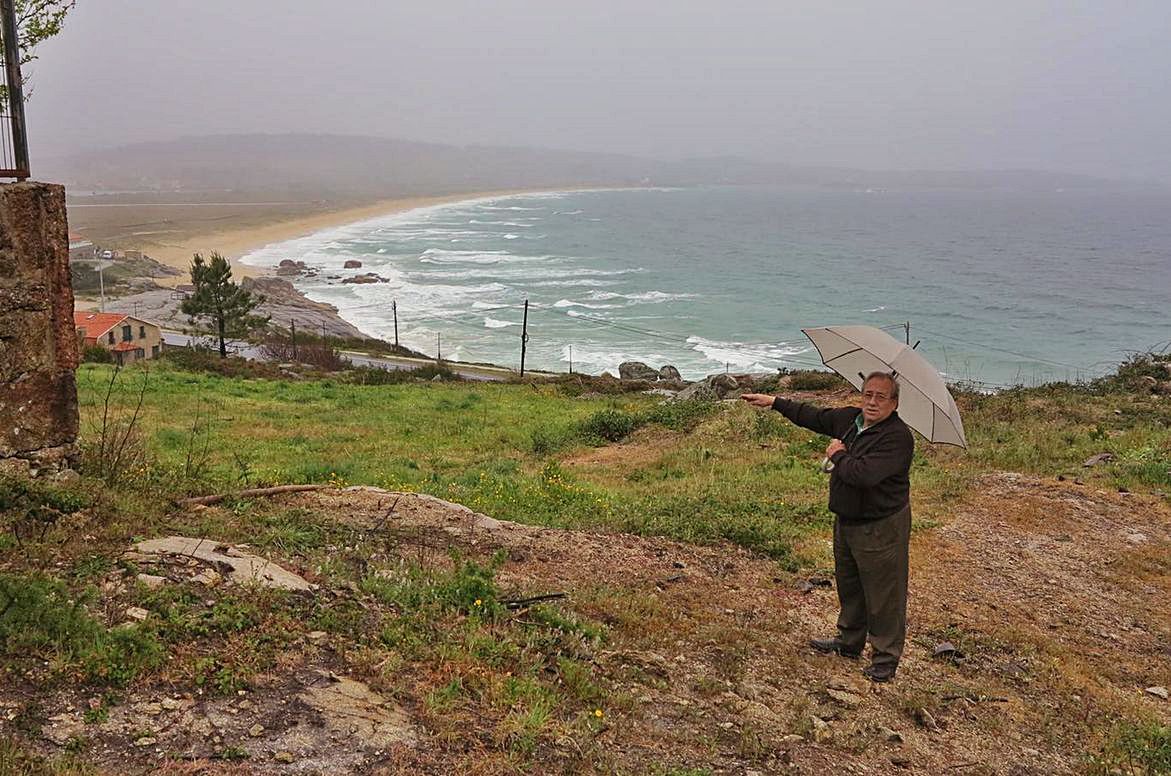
point(102, 287)
point(438, 348)
point(524, 338)
point(294, 329)
point(571, 359)
point(324, 341)
point(907, 329)
point(394, 309)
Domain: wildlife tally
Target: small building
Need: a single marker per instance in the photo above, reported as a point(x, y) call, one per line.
point(81, 249)
point(128, 338)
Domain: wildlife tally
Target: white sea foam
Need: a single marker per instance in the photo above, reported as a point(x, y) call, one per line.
point(878, 309)
point(651, 297)
point(492, 323)
point(659, 296)
point(501, 223)
point(562, 303)
point(574, 283)
point(755, 357)
point(443, 256)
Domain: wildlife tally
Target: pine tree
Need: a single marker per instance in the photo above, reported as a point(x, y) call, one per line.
point(224, 303)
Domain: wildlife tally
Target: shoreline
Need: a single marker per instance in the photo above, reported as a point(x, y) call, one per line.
point(239, 240)
point(234, 243)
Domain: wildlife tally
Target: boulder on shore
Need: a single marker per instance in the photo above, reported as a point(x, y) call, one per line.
point(636, 370)
point(369, 277)
point(710, 388)
point(352, 264)
point(290, 267)
point(668, 372)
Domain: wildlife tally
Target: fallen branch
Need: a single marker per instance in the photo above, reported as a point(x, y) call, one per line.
point(975, 698)
point(385, 517)
point(250, 493)
point(524, 603)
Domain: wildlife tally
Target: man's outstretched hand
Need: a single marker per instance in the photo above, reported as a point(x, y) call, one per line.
point(758, 399)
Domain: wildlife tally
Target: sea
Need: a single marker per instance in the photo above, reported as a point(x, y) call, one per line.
point(995, 287)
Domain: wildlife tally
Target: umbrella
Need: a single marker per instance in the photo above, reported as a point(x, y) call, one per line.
point(924, 402)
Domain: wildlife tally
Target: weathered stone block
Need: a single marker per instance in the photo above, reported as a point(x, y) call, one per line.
point(38, 344)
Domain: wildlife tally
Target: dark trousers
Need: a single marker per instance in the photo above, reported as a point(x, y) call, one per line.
point(871, 566)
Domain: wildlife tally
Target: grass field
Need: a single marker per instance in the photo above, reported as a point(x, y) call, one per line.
point(428, 627)
point(526, 453)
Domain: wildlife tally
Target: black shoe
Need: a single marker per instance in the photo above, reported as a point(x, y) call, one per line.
point(834, 646)
point(880, 672)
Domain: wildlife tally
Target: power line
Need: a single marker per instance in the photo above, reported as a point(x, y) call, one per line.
point(1004, 350)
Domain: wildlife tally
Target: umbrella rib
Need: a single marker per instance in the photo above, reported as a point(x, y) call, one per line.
point(843, 355)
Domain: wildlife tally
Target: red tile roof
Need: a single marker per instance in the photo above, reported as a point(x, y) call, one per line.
point(96, 324)
point(125, 346)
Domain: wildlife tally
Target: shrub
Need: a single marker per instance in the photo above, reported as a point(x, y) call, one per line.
point(1135, 748)
point(28, 506)
point(372, 375)
point(39, 616)
point(431, 371)
point(680, 415)
point(815, 380)
point(96, 354)
point(544, 441)
point(1131, 372)
point(314, 352)
point(203, 360)
point(612, 425)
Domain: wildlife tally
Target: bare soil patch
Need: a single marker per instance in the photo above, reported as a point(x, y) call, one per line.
point(1050, 591)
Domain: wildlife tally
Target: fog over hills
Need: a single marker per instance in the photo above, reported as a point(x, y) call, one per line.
point(344, 166)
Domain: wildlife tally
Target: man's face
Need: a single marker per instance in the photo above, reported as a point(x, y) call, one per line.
point(877, 404)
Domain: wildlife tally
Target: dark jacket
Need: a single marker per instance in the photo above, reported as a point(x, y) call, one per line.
point(871, 477)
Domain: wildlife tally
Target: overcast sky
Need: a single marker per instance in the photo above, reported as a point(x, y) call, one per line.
point(888, 84)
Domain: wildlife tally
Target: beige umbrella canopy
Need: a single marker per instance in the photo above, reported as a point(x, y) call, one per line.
point(924, 402)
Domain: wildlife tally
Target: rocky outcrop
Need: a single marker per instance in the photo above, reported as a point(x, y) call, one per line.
point(352, 264)
point(369, 277)
point(636, 370)
point(222, 561)
point(38, 344)
point(284, 304)
point(668, 372)
point(711, 388)
point(290, 267)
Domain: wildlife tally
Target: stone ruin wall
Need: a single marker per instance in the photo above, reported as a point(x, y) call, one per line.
point(38, 344)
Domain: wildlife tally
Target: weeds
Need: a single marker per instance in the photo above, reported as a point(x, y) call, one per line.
point(1135, 749)
point(119, 450)
point(41, 620)
point(30, 508)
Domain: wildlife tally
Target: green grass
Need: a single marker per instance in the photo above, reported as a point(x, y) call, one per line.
point(434, 627)
point(41, 620)
point(711, 473)
point(1135, 748)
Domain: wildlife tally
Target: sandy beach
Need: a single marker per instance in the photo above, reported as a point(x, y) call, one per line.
point(172, 232)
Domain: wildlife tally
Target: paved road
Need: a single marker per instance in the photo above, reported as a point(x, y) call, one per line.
point(252, 353)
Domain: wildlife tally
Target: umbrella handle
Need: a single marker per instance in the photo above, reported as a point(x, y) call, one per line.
point(827, 465)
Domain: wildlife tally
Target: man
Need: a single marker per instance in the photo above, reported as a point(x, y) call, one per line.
point(869, 493)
